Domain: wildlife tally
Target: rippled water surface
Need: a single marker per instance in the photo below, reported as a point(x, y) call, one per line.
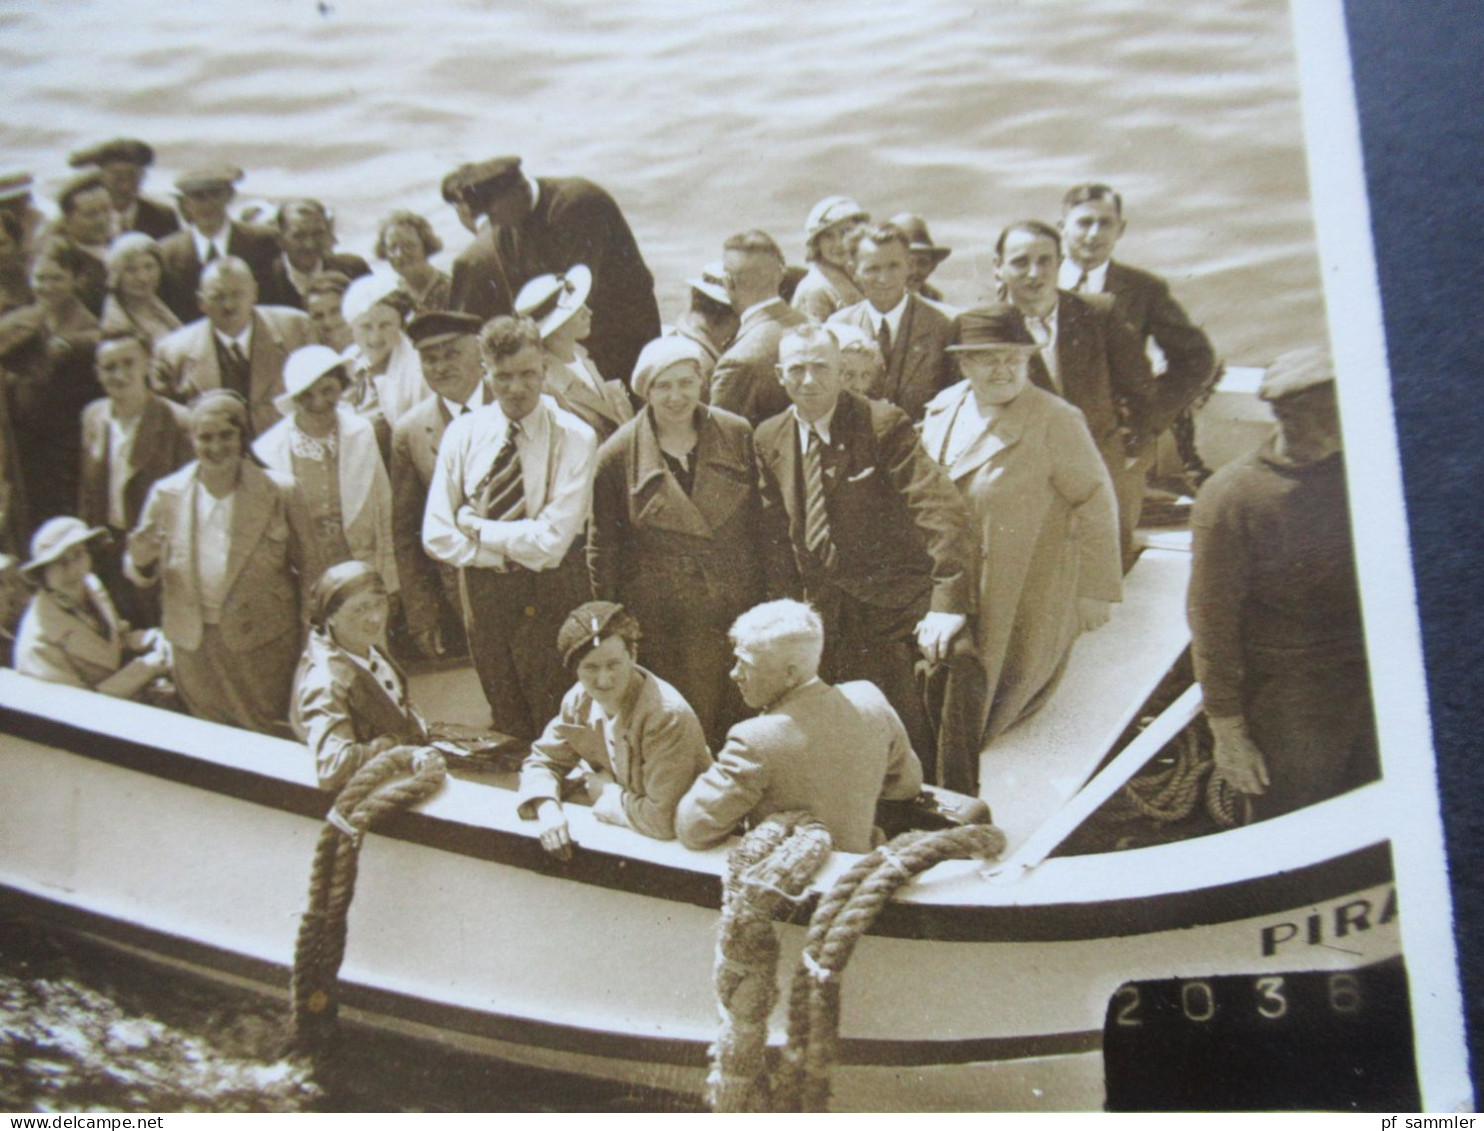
point(701, 119)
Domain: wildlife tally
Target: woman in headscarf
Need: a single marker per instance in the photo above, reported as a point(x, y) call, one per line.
point(350, 697)
point(674, 531)
point(71, 633)
point(384, 372)
point(1043, 504)
point(331, 455)
point(223, 539)
point(558, 305)
point(407, 241)
point(135, 269)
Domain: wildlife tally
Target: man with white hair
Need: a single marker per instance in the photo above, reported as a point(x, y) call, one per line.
point(831, 750)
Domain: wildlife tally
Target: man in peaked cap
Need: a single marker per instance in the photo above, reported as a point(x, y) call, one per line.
point(210, 234)
point(122, 161)
point(448, 347)
point(634, 737)
point(1274, 605)
point(546, 226)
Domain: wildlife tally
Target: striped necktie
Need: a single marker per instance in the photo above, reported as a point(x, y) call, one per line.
point(816, 517)
point(501, 494)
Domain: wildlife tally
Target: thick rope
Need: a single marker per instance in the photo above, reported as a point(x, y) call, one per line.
point(766, 876)
point(843, 917)
point(1171, 794)
point(393, 780)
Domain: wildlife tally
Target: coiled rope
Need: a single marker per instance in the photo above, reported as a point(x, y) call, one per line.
point(395, 779)
point(1171, 794)
point(766, 877)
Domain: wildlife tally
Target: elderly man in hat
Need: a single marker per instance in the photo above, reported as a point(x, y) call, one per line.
point(709, 321)
point(87, 222)
point(448, 345)
point(745, 380)
point(926, 255)
point(911, 332)
point(834, 751)
point(236, 345)
point(1274, 605)
point(633, 738)
point(827, 286)
point(122, 161)
point(210, 234)
point(306, 235)
point(547, 226)
point(508, 501)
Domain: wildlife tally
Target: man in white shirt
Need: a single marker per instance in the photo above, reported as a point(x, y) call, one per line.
point(508, 500)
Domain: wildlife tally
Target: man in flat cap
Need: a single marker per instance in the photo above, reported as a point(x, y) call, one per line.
point(911, 332)
point(745, 380)
point(448, 347)
point(87, 222)
point(508, 501)
point(122, 161)
point(546, 227)
point(1274, 605)
point(210, 234)
point(633, 737)
point(306, 235)
point(236, 344)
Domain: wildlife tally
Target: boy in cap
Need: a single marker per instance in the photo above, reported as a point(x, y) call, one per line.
point(1274, 605)
point(633, 737)
point(546, 227)
point(122, 162)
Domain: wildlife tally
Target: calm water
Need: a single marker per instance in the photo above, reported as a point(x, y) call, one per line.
point(700, 125)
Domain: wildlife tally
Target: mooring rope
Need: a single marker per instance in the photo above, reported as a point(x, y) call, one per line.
point(395, 779)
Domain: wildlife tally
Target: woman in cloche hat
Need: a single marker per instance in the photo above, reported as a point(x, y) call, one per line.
point(71, 633)
point(827, 286)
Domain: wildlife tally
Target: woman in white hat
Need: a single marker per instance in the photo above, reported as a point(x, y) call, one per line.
point(385, 374)
point(558, 305)
point(828, 286)
point(330, 453)
point(71, 632)
point(223, 539)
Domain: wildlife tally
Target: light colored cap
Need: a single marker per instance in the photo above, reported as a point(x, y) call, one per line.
point(550, 300)
point(55, 537)
point(661, 354)
point(304, 367)
point(1296, 371)
point(831, 211)
point(712, 282)
point(368, 291)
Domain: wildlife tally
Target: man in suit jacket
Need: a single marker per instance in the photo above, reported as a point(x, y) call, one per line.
point(130, 438)
point(860, 521)
point(238, 345)
point(122, 161)
point(745, 380)
point(448, 347)
point(87, 222)
point(1087, 355)
point(911, 332)
point(832, 751)
point(210, 234)
point(307, 236)
point(546, 228)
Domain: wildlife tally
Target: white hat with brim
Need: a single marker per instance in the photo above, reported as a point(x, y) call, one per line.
point(712, 283)
point(304, 367)
point(55, 537)
point(375, 289)
point(550, 300)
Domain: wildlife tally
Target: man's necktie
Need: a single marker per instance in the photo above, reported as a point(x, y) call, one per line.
point(816, 518)
point(211, 253)
point(1081, 284)
point(883, 339)
point(237, 372)
point(501, 494)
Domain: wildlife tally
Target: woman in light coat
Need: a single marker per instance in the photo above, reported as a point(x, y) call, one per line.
point(1047, 523)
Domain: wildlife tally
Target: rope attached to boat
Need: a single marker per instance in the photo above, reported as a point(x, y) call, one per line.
point(766, 876)
point(1171, 794)
point(395, 779)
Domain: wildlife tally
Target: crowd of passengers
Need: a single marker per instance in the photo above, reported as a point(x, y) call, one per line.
point(852, 531)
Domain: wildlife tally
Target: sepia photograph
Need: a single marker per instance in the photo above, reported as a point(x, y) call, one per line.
point(640, 558)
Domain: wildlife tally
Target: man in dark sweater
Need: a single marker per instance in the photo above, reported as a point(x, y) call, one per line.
point(547, 226)
point(1274, 606)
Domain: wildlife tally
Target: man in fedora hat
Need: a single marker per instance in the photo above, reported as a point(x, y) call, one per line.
point(448, 346)
point(911, 332)
point(546, 226)
point(122, 161)
point(827, 286)
point(236, 344)
point(1274, 605)
point(926, 255)
point(210, 233)
point(509, 497)
point(635, 739)
point(709, 321)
